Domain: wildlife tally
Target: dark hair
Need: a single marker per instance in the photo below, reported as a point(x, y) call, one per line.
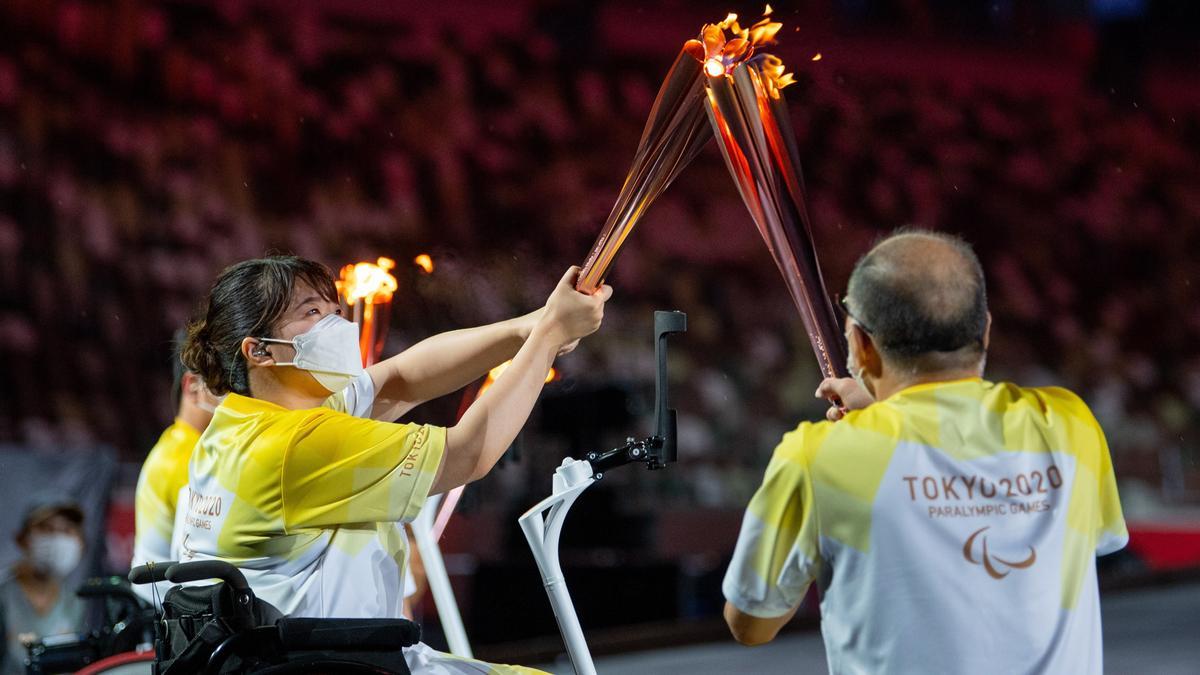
point(178, 340)
point(922, 308)
point(45, 506)
point(246, 301)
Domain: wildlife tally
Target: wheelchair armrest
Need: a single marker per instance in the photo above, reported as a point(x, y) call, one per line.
point(301, 633)
point(208, 569)
point(150, 573)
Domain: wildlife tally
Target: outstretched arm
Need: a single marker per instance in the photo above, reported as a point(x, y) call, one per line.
point(488, 428)
point(444, 363)
point(751, 630)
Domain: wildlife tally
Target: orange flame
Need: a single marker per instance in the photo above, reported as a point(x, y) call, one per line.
point(722, 46)
point(366, 281)
point(774, 75)
point(494, 374)
point(425, 262)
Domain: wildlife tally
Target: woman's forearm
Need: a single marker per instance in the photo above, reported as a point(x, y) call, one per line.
point(490, 425)
point(444, 363)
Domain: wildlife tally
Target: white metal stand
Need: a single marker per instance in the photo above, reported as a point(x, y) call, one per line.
point(543, 523)
point(543, 529)
point(439, 581)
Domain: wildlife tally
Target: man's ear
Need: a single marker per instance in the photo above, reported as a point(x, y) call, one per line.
point(189, 386)
point(256, 352)
point(871, 360)
point(987, 332)
point(867, 355)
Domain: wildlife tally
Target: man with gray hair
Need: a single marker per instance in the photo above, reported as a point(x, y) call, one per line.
point(951, 523)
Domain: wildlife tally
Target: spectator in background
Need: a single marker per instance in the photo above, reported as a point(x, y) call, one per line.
point(165, 472)
point(33, 601)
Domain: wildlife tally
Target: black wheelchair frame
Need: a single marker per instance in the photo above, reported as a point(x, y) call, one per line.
point(224, 628)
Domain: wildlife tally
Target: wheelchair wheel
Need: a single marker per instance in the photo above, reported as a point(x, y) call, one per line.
point(128, 663)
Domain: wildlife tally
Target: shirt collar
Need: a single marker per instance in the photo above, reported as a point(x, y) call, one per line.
point(927, 386)
point(246, 404)
point(183, 426)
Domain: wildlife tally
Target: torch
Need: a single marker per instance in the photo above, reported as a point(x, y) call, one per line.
point(749, 117)
point(673, 136)
point(726, 78)
point(367, 288)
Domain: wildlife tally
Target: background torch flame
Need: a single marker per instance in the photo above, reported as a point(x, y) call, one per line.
point(367, 289)
point(425, 262)
point(494, 374)
point(371, 282)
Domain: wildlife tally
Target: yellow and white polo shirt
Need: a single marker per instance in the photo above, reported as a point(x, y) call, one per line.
point(309, 503)
point(952, 527)
point(164, 476)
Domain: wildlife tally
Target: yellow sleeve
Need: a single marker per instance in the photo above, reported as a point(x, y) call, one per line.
point(163, 474)
point(1112, 534)
point(340, 469)
point(777, 555)
point(1095, 506)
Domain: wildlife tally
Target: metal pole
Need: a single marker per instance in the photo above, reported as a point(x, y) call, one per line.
point(439, 579)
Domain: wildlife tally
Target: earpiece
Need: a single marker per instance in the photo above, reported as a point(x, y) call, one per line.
point(260, 350)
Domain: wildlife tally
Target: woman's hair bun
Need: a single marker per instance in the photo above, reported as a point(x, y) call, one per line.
point(201, 358)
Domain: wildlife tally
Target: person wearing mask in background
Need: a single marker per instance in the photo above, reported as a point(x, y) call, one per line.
point(951, 523)
point(308, 501)
point(164, 474)
point(34, 603)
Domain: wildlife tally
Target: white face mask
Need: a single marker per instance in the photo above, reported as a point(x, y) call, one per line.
point(329, 351)
point(204, 396)
point(56, 554)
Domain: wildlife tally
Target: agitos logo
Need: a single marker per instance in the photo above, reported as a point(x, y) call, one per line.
point(990, 561)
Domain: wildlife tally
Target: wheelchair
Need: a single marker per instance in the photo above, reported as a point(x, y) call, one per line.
point(224, 628)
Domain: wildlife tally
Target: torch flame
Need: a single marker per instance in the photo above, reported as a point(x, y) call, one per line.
point(722, 46)
point(366, 281)
point(774, 76)
point(494, 374)
point(365, 286)
point(425, 262)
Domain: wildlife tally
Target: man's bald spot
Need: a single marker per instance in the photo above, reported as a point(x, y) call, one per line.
point(922, 297)
point(933, 269)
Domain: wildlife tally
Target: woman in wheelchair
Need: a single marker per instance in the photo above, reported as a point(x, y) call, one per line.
point(306, 498)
